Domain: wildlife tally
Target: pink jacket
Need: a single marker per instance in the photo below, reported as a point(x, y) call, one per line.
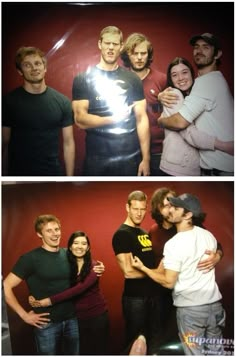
point(180, 156)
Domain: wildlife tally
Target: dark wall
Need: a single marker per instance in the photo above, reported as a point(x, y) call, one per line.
point(68, 33)
point(98, 208)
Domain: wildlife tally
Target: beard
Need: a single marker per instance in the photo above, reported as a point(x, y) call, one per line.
point(169, 219)
point(139, 69)
point(206, 64)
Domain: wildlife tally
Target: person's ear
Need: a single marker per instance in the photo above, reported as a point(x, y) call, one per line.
point(100, 44)
point(188, 215)
point(20, 72)
point(121, 46)
point(218, 55)
point(39, 235)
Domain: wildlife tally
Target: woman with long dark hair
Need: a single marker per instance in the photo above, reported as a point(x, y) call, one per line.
point(91, 307)
point(180, 155)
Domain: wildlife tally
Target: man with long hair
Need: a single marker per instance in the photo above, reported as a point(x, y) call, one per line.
point(197, 298)
point(137, 55)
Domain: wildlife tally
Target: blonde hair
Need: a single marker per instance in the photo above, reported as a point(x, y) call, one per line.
point(111, 30)
point(136, 196)
point(133, 40)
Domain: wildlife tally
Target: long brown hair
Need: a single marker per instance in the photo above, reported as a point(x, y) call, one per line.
point(176, 61)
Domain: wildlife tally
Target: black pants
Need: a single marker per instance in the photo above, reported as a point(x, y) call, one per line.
point(142, 316)
point(215, 172)
point(94, 335)
point(111, 166)
point(155, 318)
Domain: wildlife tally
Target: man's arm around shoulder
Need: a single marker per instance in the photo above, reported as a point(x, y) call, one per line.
point(173, 122)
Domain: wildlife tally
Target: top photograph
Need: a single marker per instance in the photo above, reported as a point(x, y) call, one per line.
point(117, 89)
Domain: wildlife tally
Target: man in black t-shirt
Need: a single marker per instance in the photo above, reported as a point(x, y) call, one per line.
point(109, 103)
point(139, 303)
point(34, 117)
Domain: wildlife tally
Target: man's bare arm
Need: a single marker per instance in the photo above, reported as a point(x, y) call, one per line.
point(168, 97)
point(124, 261)
point(143, 131)
point(173, 122)
point(209, 263)
point(30, 317)
point(166, 278)
point(69, 149)
point(84, 120)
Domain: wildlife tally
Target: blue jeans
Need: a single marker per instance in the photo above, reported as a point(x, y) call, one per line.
point(58, 338)
point(200, 328)
point(142, 316)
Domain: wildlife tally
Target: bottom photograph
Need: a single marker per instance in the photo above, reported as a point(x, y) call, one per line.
point(118, 268)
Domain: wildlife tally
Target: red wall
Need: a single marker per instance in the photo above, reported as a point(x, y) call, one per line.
point(98, 208)
point(168, 25)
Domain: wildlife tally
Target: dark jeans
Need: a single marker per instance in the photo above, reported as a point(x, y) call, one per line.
point(215, 172)
point(155, 166)
point(142, 316)
point(94, 335)
point(111, 166)
point(58, 338)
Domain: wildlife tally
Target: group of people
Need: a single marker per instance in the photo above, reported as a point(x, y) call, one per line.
point(179, 254)
point(64, 288)
point(134, 117)
point(167, 268)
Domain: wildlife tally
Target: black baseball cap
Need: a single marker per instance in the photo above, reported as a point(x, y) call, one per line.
point(207, 37)
point(188, 201)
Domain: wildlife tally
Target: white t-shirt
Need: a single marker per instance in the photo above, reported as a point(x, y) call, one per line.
point(182, 253)
point(211, 105)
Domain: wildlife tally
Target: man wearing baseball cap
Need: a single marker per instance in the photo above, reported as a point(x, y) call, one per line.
point(210, 105)
point(199, 311)
point(189, 203)
point(208, 38)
